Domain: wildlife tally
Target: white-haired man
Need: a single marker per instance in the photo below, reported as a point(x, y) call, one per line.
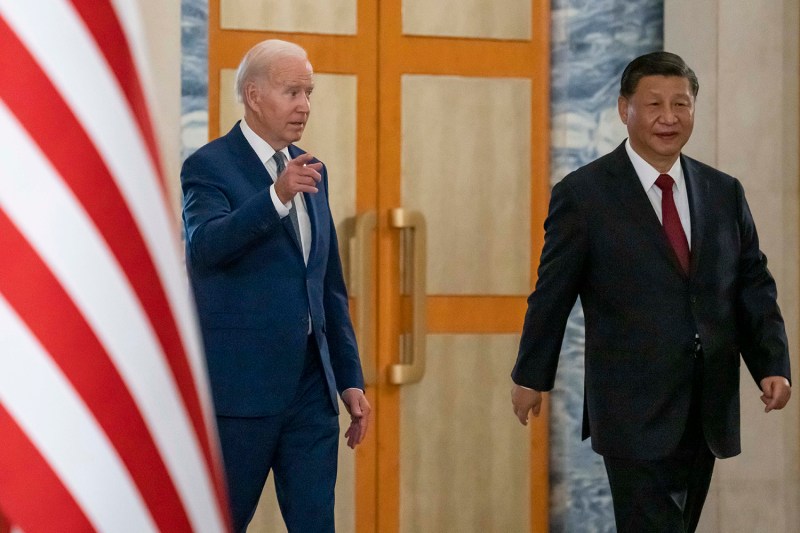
point(263, 258)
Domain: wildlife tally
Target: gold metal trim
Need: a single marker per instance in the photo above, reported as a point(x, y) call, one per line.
point(413, 367)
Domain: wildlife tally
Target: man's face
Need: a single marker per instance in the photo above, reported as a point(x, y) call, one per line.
point(660, 118)
point(279, 103)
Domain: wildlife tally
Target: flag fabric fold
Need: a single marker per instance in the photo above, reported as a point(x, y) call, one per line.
point(105, 414)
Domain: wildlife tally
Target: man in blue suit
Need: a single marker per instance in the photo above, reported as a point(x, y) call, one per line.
point(663, 252)
point(264, 264)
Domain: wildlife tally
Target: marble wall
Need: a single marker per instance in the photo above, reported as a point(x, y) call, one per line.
point(194, 74)
point(592, 41)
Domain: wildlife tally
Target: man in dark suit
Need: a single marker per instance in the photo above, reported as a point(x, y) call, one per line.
point(674, 287)
point(264, 264)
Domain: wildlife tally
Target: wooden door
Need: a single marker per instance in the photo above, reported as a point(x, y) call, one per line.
point(463, 141)
point(432, 118)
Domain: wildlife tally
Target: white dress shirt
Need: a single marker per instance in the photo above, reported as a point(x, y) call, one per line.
point(265, 153)
point(648, 176)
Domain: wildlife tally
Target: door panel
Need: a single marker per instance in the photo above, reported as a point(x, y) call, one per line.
point(466, 166)
point(465, 463)
point(308, 16)
point(496, 19)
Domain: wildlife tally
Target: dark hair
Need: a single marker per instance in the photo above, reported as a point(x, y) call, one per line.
point(655, 64)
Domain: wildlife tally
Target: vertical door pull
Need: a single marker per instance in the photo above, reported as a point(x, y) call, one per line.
point(412, 368)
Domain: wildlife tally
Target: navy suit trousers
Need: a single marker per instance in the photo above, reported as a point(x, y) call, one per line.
point(300, 447)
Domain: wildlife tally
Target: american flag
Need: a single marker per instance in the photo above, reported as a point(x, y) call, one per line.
point(105, 415)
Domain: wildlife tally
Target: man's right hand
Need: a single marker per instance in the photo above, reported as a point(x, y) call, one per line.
point(525, 400)
point(298, 176)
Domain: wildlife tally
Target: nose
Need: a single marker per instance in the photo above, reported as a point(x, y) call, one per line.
point(304, 105)
point(668, 116)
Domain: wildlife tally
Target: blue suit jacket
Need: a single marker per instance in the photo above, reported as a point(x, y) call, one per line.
point(254, 293)
point(604, 243)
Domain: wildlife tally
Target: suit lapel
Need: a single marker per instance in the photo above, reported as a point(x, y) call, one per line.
point(312, 218)
point(251, 167)
point(631, 194)
point(698, 190)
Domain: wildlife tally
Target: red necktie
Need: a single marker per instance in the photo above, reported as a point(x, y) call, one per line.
point(672, 222)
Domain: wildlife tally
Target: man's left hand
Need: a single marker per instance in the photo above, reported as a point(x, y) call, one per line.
point(776, 392)
point(359, 409)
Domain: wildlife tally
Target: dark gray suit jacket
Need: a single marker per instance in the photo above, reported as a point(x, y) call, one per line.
point(605, 244)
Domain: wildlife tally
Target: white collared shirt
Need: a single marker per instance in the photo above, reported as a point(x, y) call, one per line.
point(648, 176)
point(265, 153)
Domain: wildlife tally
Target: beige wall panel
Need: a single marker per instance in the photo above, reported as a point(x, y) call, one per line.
point(758, 144)
point(466, 166)
point(330, 134)
point(309, 16)
point(694, 38)
point(464, 462)
point(753, 99)
point(753, 506)
point(161, 25)
point(749, 133)
point(499, 19)
point(268, 515)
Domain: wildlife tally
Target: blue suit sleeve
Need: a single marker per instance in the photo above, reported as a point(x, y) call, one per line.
point(216, 231)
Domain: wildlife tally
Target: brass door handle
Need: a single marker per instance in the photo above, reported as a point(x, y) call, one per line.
point(362, 252)
point(412, 369)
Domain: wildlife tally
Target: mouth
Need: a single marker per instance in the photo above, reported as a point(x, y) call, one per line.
point(667, 136)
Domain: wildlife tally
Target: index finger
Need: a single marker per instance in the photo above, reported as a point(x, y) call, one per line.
point(771, 403)
point(522, 415)
point(363, 425)
point(305, 168)
point(781, 397)
point(356, 432)
point(301, 159)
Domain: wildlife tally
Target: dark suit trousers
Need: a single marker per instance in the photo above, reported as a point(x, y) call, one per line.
point(299, 446)
point(664, 495)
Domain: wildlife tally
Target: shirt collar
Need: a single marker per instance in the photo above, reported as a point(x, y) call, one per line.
point(261, 147)
point(648, 174)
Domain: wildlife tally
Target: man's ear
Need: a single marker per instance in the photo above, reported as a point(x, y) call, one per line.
point(622, 108)
point(251, 95)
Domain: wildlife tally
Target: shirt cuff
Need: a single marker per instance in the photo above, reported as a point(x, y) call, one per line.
point(280, 207)
point(353, 388)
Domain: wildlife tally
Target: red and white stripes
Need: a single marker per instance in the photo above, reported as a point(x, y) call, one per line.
point(105, 416)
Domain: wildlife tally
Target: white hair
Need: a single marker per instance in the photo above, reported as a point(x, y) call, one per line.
point(258, 62)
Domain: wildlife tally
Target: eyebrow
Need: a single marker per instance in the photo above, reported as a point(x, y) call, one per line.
point(290, 86)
